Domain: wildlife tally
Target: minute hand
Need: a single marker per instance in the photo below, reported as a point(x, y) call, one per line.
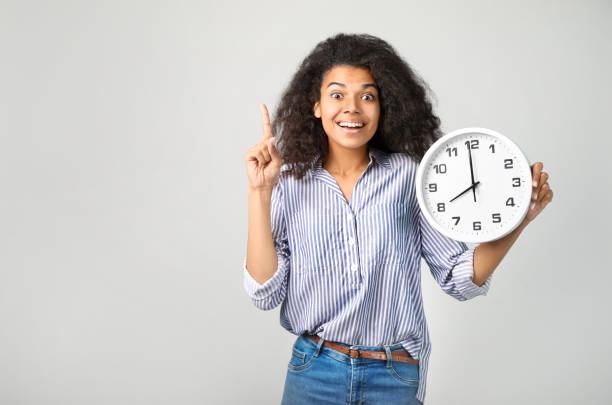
point(471, 167)
point(473, 186)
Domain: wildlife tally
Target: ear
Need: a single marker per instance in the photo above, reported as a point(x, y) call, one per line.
point(317, 110)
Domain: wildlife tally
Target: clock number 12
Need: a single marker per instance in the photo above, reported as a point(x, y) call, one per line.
point(472, 143)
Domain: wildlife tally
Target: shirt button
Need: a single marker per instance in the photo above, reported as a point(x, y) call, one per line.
point(354, 267)
point(350, 217)
point(351, 241)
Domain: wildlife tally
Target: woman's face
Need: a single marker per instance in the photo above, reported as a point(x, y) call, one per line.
point(348, 95)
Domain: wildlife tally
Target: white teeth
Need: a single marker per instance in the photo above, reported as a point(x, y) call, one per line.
point(351, 124)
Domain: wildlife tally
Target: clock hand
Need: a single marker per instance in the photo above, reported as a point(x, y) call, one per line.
point(473, 186)
point(471, 168)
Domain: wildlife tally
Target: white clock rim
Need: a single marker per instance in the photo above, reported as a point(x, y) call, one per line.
point(419, 184)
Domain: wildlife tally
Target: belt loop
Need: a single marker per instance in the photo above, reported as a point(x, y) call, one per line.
point(389, 359)
point(319, 345)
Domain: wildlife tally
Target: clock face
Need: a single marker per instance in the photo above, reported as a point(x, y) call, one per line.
point(474, 185)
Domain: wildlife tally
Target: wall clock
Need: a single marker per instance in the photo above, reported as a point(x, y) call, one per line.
point(474, 185)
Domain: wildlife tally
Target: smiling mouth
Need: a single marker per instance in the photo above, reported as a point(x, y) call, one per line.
point(351, 130)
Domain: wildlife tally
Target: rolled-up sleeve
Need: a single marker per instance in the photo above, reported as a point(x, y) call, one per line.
point(270, 294)
point(451, 263)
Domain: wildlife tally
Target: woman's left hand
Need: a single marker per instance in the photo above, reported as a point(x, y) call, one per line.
point(541, 194)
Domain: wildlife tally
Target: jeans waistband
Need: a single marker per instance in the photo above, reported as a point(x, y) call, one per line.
point(397, 346)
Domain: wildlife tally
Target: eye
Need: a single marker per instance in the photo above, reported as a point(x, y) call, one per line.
point(370, 96)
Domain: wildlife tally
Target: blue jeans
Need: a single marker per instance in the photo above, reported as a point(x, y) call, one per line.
point(319, 375)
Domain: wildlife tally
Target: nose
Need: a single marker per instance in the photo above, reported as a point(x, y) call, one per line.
point(351, 105)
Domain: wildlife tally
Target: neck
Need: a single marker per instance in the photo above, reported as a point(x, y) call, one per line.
point(346, 162)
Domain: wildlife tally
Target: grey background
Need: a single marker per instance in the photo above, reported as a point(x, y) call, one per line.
point(123, 127)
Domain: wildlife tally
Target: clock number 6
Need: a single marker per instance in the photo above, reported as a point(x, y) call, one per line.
point(477, 225)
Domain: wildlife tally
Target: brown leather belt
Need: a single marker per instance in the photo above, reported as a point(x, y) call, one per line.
point(401, 356)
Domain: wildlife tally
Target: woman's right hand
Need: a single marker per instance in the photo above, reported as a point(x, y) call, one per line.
point(263, 162)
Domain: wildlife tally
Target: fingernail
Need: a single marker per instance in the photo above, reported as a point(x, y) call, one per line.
point(534, 196)
point(532, 205)
point(535, 183)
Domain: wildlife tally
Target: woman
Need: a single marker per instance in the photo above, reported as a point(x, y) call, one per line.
point(336, 234)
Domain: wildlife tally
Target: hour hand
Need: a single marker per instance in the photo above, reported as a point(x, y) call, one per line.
point(473, 186)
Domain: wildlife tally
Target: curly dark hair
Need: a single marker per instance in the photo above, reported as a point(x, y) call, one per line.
point(407, 123)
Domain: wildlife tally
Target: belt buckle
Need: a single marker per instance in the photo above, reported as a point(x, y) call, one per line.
point(354, 350)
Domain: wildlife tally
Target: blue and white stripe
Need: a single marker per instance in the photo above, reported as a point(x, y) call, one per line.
point(350, 272)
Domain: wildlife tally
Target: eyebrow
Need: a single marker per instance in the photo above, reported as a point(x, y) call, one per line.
point(363, 86)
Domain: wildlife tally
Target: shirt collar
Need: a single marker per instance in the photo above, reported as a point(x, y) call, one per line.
point(378, 156)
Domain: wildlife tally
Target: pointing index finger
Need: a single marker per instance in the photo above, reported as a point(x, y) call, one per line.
point(267, 130)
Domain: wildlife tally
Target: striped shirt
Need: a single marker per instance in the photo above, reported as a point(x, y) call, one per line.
point(350, 271)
